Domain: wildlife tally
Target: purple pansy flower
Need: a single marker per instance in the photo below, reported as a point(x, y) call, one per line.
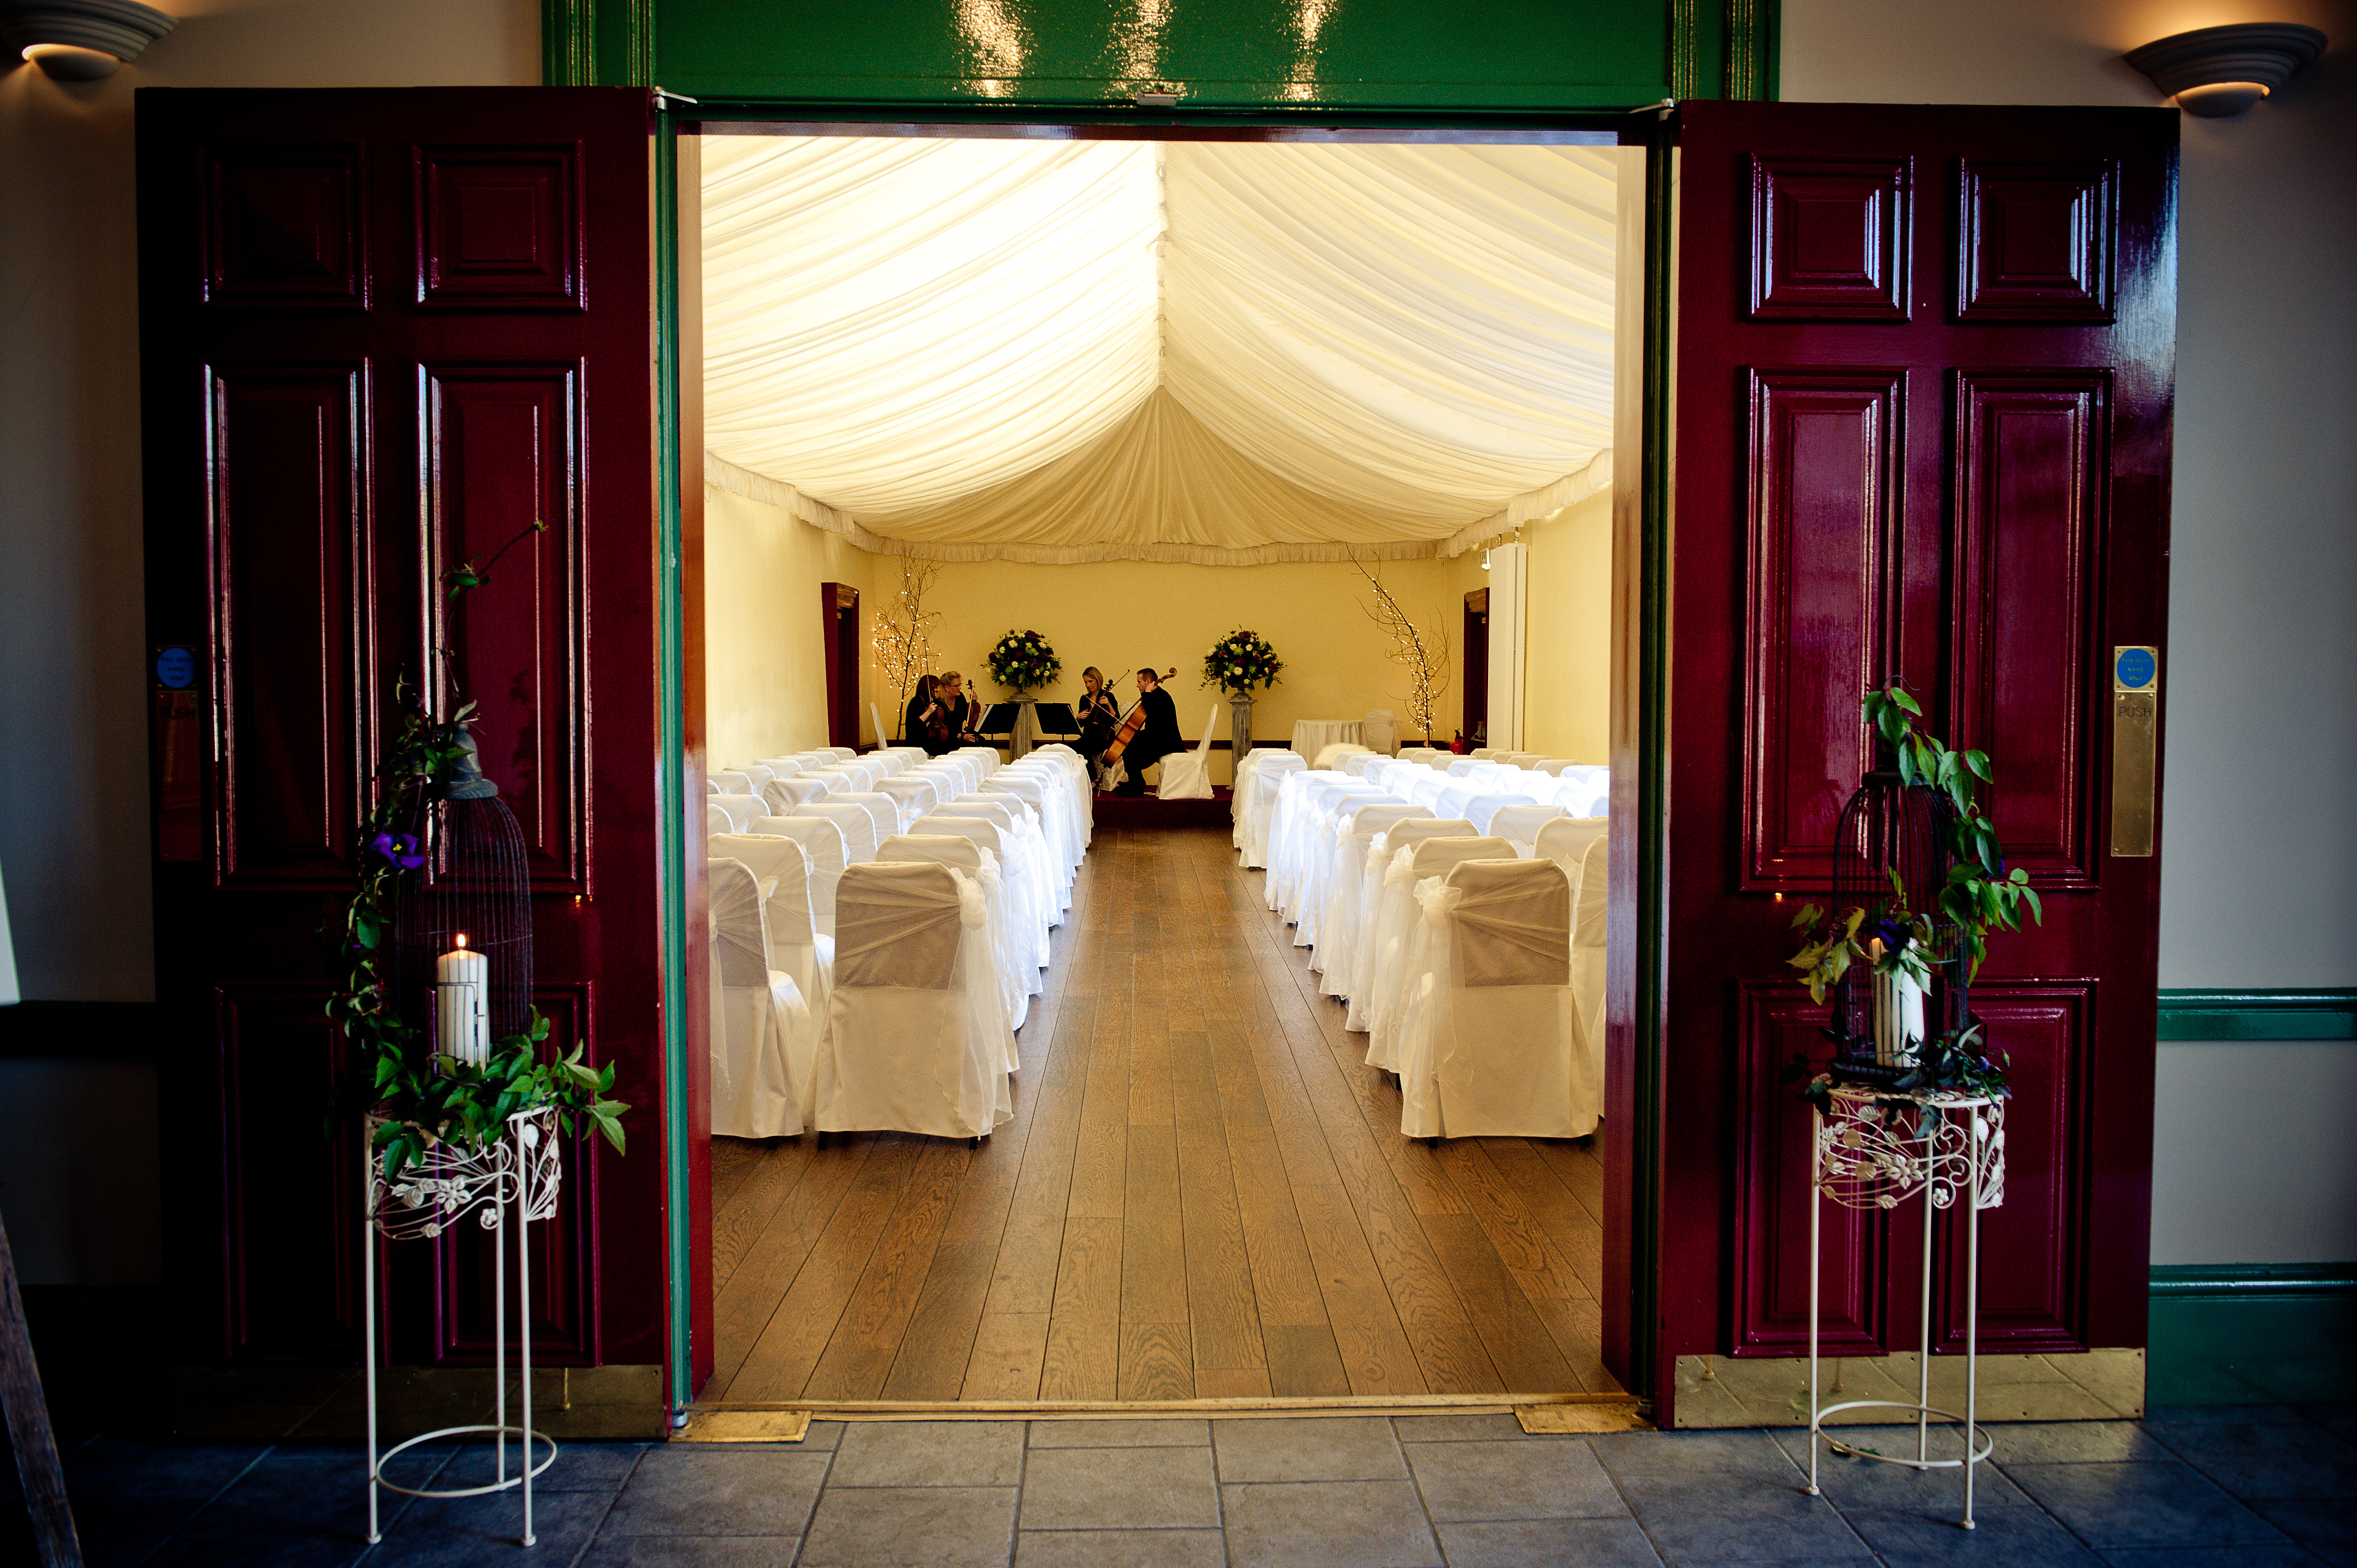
point(399, 849)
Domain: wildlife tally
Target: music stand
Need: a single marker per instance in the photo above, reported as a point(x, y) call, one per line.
point(1000, 720)
point(1055, 718)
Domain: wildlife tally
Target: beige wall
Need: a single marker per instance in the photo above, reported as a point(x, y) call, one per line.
point(1567, 702)
point(764, 635)
point(1115, 615)
point(2260, 666)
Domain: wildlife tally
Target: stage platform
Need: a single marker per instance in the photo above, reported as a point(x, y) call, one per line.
point(1146, 812)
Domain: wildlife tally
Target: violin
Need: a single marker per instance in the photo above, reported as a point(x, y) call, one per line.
point(1130, 725)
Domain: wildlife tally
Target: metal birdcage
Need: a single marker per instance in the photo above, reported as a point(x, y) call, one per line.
point(475, 885)
point(1890, 859)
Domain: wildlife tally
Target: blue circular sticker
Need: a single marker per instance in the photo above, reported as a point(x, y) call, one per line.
point(2134, 667)
point(175, 668)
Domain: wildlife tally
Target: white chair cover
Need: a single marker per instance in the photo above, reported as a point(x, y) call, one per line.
point(718, 819)
point(1270, 767)
point(1395, 927)
point(1331, 753)
point(1591, 899)
point(732, 781)
point(887, 812)
point(1338, 921)
point(1378, 731)
point(1314, 866)
point(789, 922)
point(758, 773)
point(842, 753)
point(974, 861)
point(1482, 809)
point(1018, 828)
point(822, 841)
point(1463, 766)
point(858, 824)
point(1366, 947)
point(1303, 823)
point(1565, 841)
point(764, 1035)
point(710, 788)
point(1487, 1041)
point(913, 1031)
point(784, 795)
point(1027, 896)
point(1520, 825)
point(782, 767)
point(742, 809)
point(1187, 775)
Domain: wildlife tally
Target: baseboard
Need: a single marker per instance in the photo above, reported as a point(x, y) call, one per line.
point(2254, 1333)
point(2322, 1014)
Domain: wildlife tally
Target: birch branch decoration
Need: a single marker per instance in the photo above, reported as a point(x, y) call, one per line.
point(1424, 654)
point(903, 641)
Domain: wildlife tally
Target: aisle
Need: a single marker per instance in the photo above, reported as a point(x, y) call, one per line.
point(1203, 1194)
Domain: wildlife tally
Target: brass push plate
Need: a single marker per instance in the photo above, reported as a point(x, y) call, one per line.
point(2135, 740)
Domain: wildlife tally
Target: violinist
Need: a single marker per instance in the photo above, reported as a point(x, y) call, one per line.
point(915, 724)
point(963, 711)
point(1158, 740)
point(1099, 714)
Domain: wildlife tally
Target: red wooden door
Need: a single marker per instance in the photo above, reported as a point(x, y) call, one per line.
point(1924, 375)
point(384, 331)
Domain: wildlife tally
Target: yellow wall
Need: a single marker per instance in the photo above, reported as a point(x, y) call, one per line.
point(1117, 613)
point(764, 635)
point(1566, 687)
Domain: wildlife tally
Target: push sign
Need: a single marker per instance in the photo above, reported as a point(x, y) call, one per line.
point(2136, 746)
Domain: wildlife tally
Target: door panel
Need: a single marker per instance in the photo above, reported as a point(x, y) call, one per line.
point(290, 542)
point(369, 353)
point(1924, 372)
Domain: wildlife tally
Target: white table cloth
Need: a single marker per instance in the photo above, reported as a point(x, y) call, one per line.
point(1312, 735)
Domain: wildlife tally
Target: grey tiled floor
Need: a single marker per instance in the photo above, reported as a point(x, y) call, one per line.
point(2249, 1486)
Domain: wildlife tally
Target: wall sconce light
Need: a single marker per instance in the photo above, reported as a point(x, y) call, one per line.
point(79, 40)
point(2218, 72)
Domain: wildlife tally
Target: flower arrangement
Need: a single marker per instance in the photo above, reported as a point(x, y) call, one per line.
point(419, 1099)
point(1023, 662)
point(1241, 660)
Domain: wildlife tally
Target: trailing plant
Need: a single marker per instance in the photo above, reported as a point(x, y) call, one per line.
point(1023, 662)
point(1241, 660)
point(421, 1097)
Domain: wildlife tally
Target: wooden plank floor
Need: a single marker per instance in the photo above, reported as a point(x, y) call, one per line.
point(1203, 1194)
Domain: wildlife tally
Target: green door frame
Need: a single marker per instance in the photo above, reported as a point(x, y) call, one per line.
point(1656, 133)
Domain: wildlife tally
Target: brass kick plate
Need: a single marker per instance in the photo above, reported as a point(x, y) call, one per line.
point(745, 1426)
point(1550, 1420)
point(2136, 741)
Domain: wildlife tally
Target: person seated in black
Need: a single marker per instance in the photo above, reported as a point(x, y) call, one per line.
point(928, 723)
point(1158, 740)
point(1099, 713)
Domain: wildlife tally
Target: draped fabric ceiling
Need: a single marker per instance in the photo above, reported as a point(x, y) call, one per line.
point(1224, 352)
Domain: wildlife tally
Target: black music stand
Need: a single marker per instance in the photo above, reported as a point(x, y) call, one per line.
point(1054, 718)
point(1000, 720)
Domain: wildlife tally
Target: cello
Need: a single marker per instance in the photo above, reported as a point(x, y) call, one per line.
point(1132, 722)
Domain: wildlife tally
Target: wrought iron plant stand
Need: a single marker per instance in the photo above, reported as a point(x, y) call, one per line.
point(1875, 1144)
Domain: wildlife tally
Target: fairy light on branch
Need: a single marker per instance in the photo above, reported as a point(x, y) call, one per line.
point(1423, 654)
point(902, 639)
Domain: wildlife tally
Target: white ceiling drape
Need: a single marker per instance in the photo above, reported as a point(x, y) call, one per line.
point(1202, 351)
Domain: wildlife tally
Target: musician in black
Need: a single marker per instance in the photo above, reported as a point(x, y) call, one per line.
point(1158, 740)
point(1099, 713)
point(962, 712)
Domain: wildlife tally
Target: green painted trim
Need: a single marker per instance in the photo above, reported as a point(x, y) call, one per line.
point(1654, 755)
point(2253, 1332)
point(1751, 47)
point(671, 768)
point(2323, 1015)
point(1591, 122)
point(568, 43)
point(1691, 57)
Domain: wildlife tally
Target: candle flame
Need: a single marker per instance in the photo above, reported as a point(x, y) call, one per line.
point(462, 938)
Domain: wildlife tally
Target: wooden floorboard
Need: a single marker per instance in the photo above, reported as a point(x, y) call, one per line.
point(1203, 1193)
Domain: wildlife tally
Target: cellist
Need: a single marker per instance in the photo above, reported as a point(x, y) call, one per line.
point(1157, 739)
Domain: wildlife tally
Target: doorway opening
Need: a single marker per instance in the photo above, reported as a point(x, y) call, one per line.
point(1205, 1192)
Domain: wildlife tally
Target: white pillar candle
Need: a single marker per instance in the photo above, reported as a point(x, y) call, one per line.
point(462, 985)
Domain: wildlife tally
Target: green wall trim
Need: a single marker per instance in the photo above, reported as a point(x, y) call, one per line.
point(2253, 1333)
point(2317, 1015)
point(568, 32)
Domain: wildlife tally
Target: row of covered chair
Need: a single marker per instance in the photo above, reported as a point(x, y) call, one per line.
point(1459, 910)
point(877, 939)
